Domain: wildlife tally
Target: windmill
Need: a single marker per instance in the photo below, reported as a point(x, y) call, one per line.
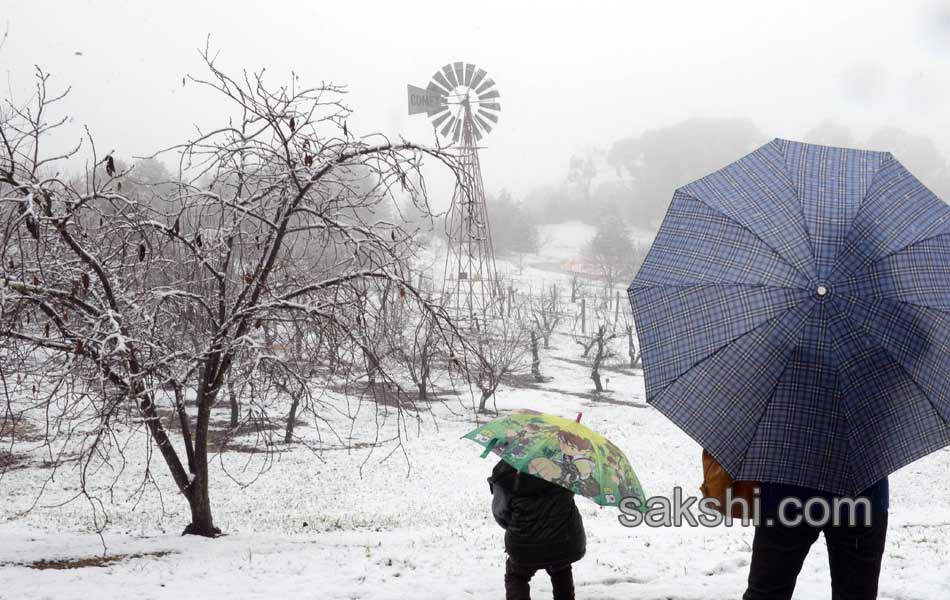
point(461, 101)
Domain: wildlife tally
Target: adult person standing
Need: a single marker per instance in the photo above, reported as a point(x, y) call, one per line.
point(792, 320)
point(855, 539)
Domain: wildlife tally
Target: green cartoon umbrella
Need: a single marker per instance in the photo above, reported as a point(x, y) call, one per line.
point(563, 452)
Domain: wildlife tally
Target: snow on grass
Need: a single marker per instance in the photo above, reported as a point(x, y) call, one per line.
point(347, 523)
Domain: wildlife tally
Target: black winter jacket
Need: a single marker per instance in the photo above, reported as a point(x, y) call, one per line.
point(542, 524)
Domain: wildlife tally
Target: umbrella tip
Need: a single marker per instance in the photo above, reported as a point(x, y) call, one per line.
point(578, 419)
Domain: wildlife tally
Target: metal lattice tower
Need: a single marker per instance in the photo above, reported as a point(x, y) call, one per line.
point(462, 102)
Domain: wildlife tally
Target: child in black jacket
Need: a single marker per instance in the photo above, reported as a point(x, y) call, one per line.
point(543, 530)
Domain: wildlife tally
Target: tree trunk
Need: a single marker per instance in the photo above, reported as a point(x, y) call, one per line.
point(185, 427)
point(423, 391)
point(631, 349)
point(486, 394)
point(535, 358)
point(199, 500)
point(424, 371)
point(598, 358)
point(595, 375)
point(291, 418)
point(235, 408)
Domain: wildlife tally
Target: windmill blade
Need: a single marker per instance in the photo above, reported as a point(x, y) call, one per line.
point(489, 95)
point(478, 134)
point(479, 75)
point(439, 79)
point(457, 132)
point(450, 75)
point(448, 127)
point(442, 116)
point(435, 88)
point(459, 72)
point(483, 123)
point(469, 73)
point(490, 106)
point(493, 118)
point(488, 83)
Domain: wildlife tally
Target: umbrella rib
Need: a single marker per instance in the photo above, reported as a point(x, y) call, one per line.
point(749, 229)
point(910, 246)
point(890, 355)
point(914, 304)
point(861, 207)
point(840, 399)
point(798, 196)
point(682, 286)
point(727, 344)
point(801, 205)
point(768, 402)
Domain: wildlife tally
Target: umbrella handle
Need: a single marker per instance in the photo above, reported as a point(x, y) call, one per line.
point(488, 448)
point(578, 419)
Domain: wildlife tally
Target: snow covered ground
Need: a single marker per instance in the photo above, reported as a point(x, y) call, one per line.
point(347, 524)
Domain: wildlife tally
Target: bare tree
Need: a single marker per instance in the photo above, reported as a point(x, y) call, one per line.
point(546, 313)
point(502, 349)
point(416, 350)
point(107, 299)
point(581, 172)
point(599, 341)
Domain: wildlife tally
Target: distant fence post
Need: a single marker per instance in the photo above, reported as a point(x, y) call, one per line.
point(583, 315)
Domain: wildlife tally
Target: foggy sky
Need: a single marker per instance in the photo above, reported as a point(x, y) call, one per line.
point(572, 76)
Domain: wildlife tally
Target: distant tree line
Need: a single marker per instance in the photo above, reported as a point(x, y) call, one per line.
point(634, 179)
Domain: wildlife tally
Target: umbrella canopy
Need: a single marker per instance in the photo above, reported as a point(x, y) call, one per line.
point(563, 452)
point(794, 316)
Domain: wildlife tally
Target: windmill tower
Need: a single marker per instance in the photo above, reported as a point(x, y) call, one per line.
point(462, 103)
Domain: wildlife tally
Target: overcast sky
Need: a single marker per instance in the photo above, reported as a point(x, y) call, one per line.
point(572, 75)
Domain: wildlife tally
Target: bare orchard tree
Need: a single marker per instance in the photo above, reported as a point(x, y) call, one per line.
point(503, 346)
point(546, 314)
point(108, 299)
point(599, 342)
point(416, 351)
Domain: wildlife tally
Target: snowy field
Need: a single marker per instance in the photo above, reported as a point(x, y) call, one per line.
point(350, 524)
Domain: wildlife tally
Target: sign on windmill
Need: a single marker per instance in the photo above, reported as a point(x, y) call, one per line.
point(429, 100)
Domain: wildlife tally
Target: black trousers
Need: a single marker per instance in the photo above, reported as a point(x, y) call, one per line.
point(517, 578)
point(854, 559)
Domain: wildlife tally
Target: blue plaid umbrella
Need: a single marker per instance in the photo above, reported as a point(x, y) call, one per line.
point(794, 316)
